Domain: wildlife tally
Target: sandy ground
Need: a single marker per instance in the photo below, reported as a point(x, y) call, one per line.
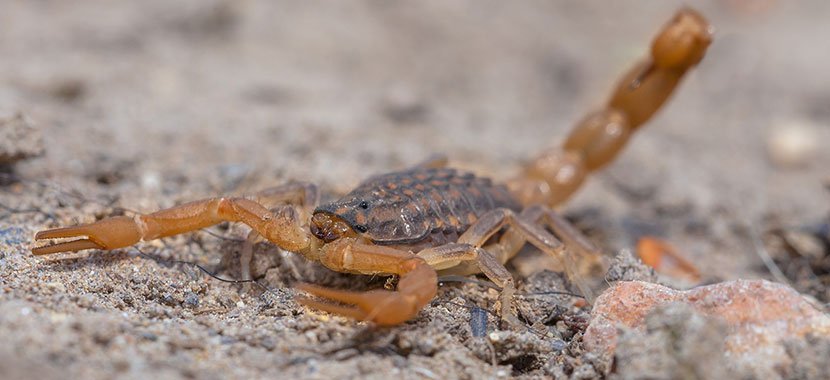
point(144, 105)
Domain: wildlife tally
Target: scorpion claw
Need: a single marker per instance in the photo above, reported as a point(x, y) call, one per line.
point(67, 246)
point(379, 306)
point(110, 233)
point(346, 311)
point(343, 296)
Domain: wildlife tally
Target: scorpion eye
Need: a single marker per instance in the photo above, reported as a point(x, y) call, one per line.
point(361, 228)
point(364, 205)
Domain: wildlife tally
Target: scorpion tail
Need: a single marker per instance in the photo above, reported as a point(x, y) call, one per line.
point(556, 173)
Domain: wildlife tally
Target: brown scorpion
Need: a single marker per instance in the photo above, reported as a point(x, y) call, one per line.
point(429, 219)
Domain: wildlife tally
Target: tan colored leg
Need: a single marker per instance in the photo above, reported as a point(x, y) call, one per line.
point(417, 286)
point(304, 195)
point(282, 228)
point(247, 255)
point(531, 232)
point(526, 228)
point(452, 254)
point(468, 248)
point(587, 254)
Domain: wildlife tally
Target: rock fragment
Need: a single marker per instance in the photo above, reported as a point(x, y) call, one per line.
point(678, 343)
point(626, 267)
point(761, 319)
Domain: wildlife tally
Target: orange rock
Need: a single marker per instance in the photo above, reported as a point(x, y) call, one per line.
point(760, 317)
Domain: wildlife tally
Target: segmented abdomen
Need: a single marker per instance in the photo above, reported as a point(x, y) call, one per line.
point(441, 199)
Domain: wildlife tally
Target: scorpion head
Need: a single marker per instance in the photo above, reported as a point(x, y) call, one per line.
point(329, 227)
point(388, 219)
point(345, 217)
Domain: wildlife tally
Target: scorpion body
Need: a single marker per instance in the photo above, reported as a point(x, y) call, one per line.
point(429, 219)
point(419, 207)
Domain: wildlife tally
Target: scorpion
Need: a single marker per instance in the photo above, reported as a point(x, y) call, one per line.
point(428, 219)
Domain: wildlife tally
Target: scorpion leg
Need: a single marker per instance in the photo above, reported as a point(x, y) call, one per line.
point(491, 259)
point(302, 194)
point(418, 283)
point(532, 233)
point(450, 255)
point(589, 254)
point(526, 228)
point(283, 228)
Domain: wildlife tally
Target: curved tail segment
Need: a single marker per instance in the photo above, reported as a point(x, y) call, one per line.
point(556, 173)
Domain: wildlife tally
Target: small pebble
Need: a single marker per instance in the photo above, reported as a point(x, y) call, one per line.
point(68, 89)
point(149, 336)
point(56, 286)
point(805, 244)
point(403, 105)
point(792, 144)
point(151, 181)
point(478, 322)
point(191, 300)
point(168, 299)
point(558, 345)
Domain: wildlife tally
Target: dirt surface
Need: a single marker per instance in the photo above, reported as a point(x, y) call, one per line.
point(144, 105)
